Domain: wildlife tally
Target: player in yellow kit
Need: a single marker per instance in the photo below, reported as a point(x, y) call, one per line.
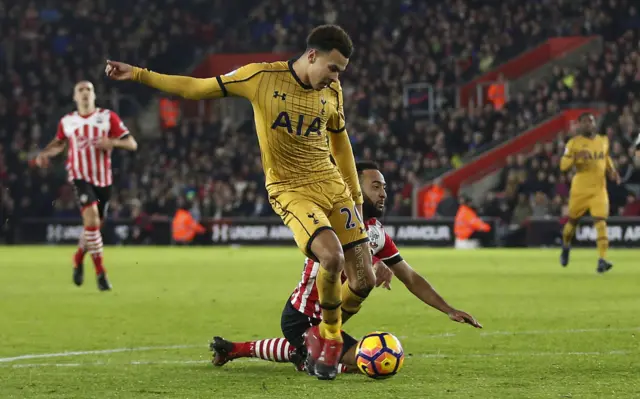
point(588, 153)
point(299, 117)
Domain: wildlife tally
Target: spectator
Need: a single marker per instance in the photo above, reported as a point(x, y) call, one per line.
point(522, 211)
point(540, 207)
point(632, 207)
point(448, 205)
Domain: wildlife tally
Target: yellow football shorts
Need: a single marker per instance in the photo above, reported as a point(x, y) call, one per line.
point(315, 207)
point(597, 205)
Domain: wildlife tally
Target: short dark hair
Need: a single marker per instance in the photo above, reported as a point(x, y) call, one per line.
point(366, 165)
point(328, 37)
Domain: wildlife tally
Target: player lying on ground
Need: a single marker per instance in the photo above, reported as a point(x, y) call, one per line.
point(588, 154)
point(302, 309)
point(91, 134)
point(299, 118)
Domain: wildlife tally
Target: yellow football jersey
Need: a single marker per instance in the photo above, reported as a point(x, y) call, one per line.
point(590, 156)
point(292, 119)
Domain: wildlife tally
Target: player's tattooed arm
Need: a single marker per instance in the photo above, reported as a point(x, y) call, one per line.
point(360, 251)
point(420, 287)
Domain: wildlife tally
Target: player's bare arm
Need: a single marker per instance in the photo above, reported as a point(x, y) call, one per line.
point(127, 143)
point(421, 288)
point(55, 147)
point(384, 275)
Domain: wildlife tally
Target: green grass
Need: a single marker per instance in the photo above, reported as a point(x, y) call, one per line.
point(549, 332)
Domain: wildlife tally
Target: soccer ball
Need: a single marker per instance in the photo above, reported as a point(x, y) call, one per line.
point(379, 355)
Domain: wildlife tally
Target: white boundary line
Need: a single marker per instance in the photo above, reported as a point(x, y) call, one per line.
point(422, 356)
point(444, 335)
point(95, 352)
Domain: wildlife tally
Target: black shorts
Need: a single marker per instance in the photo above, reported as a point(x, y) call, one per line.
point(294, 324)
point(87, 194)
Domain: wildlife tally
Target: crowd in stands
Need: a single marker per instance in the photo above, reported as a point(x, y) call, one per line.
point(203, 163)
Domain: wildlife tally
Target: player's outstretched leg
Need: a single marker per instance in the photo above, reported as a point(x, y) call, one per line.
point(360, 280)
point(277, 350)
point(324, 342)
point(93, 243)
point(271, 349)
point(602, 242)
point(568, 232)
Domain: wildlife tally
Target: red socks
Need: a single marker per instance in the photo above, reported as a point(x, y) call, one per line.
point(273, 349)
point(93, 243)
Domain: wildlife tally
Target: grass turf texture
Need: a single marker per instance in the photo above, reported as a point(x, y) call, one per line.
point(549, 332)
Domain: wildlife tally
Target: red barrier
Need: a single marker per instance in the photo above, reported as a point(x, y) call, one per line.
point(219, 64)
point(525, 63)
point(495, 159)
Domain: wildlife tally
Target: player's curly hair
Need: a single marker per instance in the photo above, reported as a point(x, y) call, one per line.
point(366, 165)
point(328, 37)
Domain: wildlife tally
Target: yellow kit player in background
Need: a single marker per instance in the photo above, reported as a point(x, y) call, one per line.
point(588, 153)
point(299, 117)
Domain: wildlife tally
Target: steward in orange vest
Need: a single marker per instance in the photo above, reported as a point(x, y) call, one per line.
point(431, 199)
point(467, 222)
point(184, 227)
point(169, 112)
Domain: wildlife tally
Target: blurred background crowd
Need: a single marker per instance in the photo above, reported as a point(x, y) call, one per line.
point(213, 166)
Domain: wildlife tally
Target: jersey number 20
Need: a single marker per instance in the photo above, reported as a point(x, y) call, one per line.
point(350, 224)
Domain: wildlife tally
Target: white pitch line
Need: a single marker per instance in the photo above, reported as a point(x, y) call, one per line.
point(443, 335)
point(95, 352)
point(423, 355)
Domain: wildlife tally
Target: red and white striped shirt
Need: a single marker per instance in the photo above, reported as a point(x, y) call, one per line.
point(85, 161)
point(305, 296)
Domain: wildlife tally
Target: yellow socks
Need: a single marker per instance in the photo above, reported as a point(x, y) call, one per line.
point(568, 232)
point(329, 296)
point(603, 239)
point(351, 302)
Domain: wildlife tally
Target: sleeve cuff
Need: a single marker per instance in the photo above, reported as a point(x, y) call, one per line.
point(340, 130)
point(397, 258)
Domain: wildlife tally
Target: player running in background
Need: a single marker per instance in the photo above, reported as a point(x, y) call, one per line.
point(90, 134)
point(588, 153)
point(302, 309)
point(297, 105)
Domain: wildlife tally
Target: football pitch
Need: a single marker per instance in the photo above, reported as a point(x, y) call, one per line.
point(548, 332)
